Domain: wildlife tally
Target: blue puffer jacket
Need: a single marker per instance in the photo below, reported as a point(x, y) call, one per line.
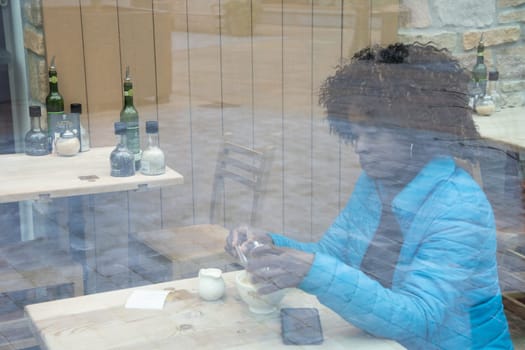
point(445, 292)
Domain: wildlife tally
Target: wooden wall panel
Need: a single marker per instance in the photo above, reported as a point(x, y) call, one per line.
point(267, 113)
point(298, 56)
point(201, 82)
point(175, 119)
point(63, 39)
point(103, 67)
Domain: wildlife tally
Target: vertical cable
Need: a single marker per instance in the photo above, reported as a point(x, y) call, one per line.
point(221, 69)
point(312, 116)
point(223, 199)
point(339, 185)
point(252, 76)
point(155, 60)
point(192, 160)
point(156, 93)
point(369, 22)
point(84, 62)
point(119, 39)
point(342, 33)
point(282, 118)
point(122, 79)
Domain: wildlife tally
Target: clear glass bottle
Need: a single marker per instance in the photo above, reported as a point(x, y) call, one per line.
point(153, 161)
point(130, 116)
point(493, 89)
point(36, 140)
point(67, 144)
point(122, 160)
point(76, 108)
point(485, 106)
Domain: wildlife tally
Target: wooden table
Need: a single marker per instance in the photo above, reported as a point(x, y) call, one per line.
point(100, 321)
point(506, 126)
point(26, 177)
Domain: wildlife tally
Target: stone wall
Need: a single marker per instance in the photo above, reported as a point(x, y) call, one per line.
point(35, 49)
point(458, 24)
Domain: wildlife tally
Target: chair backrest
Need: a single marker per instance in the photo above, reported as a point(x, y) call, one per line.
point(242, 165)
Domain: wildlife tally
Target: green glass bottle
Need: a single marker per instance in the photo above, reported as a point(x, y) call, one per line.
point(479, 72)
point(54, 100)
point(130, 116)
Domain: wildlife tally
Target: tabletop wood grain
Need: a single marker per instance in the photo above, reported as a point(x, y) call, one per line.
point(26, 177)
point(506, 126)
point(100, 321)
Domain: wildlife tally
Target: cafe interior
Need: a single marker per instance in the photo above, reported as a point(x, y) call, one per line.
point(94, 261)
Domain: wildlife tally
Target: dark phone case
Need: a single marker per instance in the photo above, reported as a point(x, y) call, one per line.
point(301, 326)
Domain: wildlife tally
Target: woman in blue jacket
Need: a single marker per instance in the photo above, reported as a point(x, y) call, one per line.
point(412, 256)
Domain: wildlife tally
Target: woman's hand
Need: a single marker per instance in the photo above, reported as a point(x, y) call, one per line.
point(246, 239)
point(273, 268)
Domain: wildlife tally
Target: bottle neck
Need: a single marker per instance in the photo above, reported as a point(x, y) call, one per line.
point(128, 100)
point(480, 58)
point(128, 94)
point(153, 140)
point(122, 140)
point(493, 86)
point(35, 123)
point(53, 82)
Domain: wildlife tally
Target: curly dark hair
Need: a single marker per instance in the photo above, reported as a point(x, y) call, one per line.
point(412, 86)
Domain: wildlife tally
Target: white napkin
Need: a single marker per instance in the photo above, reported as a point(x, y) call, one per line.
point(147, 299)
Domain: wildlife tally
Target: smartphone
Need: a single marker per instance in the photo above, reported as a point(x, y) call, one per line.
point(301, 326)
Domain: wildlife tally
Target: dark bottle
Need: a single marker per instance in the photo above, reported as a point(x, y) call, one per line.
point(493, 89)
point(479, 72)
point(54, 101)
point(36, 140)
point(130, 116)
point(122, 160)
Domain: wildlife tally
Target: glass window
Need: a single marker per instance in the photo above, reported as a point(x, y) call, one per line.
point(387, 181)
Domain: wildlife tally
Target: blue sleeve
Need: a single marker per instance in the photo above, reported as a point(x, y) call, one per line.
point(333, 242)
point(347, 238)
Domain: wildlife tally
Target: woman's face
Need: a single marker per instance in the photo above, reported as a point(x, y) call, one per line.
point(384, 153)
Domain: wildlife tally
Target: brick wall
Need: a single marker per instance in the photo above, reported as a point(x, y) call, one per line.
point(457, 25)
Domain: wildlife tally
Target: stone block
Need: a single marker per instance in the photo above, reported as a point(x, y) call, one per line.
point(418, 14)
point(511, 63)
point(513, 92)
point(465, 13)
point(491, 37)
point(512, 16)
point(514, 99)
point(34, 40)
point(37, 77)
point(512, 86)
point(32, 10)
point(446, 40)
point(510, 3)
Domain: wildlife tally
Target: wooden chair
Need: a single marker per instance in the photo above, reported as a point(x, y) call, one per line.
point(191, 247)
